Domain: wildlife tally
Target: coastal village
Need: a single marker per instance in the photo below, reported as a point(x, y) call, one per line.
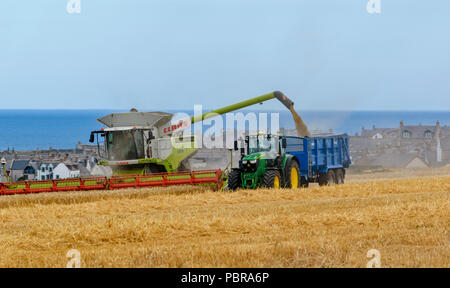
point(82, 161)
point(407, 146)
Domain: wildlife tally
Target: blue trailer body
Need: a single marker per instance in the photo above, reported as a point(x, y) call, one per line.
point(318, 154)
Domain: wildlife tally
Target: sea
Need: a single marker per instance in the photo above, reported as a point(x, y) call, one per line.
point(64, 129)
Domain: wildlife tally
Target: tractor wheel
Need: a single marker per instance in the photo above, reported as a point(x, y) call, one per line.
point(339, 176)
point(234, 179)
point(293, 175)
point(272, 179)
point(331, 177)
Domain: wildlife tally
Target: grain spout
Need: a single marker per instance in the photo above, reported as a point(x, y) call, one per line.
point(300, 126)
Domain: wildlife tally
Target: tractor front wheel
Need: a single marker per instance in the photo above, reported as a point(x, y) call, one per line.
point(234, 179)
point(272, 179)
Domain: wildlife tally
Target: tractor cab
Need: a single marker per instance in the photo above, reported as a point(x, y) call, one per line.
point(264, 144)
point(265, 147)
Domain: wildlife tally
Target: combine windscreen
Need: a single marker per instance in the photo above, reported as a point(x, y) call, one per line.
point(125, 145)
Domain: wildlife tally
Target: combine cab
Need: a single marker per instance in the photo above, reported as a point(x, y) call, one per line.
point(139, 142)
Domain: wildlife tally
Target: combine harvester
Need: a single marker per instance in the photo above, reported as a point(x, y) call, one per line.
point(139, 150)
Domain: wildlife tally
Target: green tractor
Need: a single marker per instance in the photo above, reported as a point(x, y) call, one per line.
point(264, 163)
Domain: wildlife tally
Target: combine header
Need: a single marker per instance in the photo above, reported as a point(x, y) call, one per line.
point(205, 177)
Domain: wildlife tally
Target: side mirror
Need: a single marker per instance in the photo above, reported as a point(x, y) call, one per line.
point(235, 145)
point(283, 143)
point(92, 138)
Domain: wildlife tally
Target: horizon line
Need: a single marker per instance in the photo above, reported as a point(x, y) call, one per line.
point(161, 110)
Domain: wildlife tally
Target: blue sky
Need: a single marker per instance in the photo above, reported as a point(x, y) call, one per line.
point(171, 54)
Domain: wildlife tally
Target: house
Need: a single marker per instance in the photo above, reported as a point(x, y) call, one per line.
point(45, 171)
point(22, 170)
point(64, 171)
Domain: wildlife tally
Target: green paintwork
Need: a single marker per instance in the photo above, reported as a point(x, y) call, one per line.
point(254, 156)
point(254, 179)
point(170, 164)
point(233, 107)
point(257, 177)
point(176, 157)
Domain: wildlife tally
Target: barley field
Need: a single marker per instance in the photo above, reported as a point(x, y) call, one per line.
point(404, 215)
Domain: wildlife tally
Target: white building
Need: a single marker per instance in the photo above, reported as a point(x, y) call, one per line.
point(45, 171)
point(63, 171)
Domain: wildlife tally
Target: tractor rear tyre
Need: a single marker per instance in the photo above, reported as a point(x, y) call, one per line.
point(234, 179)
point(339, 176)
point(293, 175)
point(272, 179)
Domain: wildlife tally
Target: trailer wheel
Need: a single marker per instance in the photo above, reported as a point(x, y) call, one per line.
point(339, 177)
point(331, 177)
point(293, 175)
point(328, 178)
point(234, 179)
point(323, 179)
point(272, 179)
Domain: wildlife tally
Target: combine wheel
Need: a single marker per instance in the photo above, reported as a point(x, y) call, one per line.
point(339, 176)
point(272, 179)
point(234, 179)
point(292, 175)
